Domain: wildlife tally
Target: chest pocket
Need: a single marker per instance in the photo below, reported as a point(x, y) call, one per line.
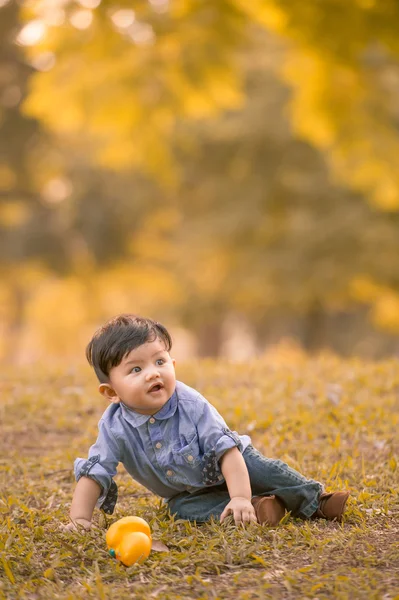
point(187, 455)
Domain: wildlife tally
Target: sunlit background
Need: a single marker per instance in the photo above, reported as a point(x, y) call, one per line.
point(229, 168)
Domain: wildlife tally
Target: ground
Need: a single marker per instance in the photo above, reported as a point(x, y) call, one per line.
point(332, 419)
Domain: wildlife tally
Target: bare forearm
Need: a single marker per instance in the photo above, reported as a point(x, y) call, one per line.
point(86, 494)
point(236, 474)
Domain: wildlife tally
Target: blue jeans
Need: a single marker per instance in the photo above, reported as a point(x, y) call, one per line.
point(267, 476)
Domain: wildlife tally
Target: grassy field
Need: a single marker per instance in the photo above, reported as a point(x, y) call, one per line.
point(334, 420)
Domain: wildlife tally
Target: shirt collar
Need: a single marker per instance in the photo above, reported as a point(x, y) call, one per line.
point(136, 419)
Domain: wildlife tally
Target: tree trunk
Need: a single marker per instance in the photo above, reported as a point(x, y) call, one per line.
point(314, 330)
point(14, 327)
point(209, 338)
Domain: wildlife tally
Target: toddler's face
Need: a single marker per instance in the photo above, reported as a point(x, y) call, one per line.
point(144, 380)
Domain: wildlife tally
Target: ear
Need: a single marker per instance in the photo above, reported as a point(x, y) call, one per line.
point(109, 393)
point(173, 362)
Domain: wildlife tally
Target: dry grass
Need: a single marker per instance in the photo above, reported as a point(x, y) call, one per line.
point(334, 420)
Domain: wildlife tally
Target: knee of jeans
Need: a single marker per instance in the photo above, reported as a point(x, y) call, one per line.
point(276, 462)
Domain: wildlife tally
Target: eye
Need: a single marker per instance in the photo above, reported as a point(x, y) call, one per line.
point(160, 361)
point(136, 370)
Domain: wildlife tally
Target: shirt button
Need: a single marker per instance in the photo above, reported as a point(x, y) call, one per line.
point(169, 473)
point(158, 445)
point(190, 458)
point(152, 420)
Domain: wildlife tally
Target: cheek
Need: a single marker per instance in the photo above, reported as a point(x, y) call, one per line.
point(128, 384)
point(171, 374)
point(133, 382)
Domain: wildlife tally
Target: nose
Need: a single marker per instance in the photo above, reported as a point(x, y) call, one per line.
point(152, 373)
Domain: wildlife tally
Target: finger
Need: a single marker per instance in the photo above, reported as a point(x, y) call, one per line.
point(227, 511)
point(69, 527)
point(246, 517)
point(237, 517)
point(253, 517)
point(78, 527)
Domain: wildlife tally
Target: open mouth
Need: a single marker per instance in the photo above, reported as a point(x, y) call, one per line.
point(156, 387)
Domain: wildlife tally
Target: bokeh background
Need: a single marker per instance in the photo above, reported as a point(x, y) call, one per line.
point(227, 167)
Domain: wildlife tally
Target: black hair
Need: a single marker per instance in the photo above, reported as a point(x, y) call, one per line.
point(119, 336)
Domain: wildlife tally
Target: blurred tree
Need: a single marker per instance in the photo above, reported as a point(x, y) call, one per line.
point(58, 213)
point(266, 232)
point(122, 77)
point(25, 222)
point(136, 72)
point(344, 68)
point(250, 222)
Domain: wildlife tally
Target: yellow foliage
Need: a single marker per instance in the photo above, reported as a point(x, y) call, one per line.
point(340, 103)
point(57, 314)
point(139, 288)
point(383, 300)
point(268, 13)
point(364, 289)
point(124, 98)
point(13, 214)
point(211, 273)
point(7, 177)
point(387, 193)
point(385, 312)
point(164, 220)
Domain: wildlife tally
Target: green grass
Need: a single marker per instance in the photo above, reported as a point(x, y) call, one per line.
point(334, 420)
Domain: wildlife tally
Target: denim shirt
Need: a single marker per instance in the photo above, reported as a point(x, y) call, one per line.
point(175, 450)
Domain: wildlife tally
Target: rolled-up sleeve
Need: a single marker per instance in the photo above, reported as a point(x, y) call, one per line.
point(215, 438)
point(101, 466)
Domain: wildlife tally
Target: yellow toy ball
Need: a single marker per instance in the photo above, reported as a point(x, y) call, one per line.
point(129, 540)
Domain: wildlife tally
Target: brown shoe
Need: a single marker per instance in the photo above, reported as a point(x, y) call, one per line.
point(332, 506)
point(269, 510)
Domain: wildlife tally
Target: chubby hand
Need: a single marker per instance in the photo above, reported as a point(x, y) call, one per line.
point(241, 509)
point(77, 525)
